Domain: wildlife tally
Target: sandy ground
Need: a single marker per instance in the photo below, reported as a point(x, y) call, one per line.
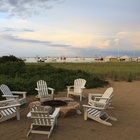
point(126, 102)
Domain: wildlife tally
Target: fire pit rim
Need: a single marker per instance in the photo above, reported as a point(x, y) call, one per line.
point(55, 103)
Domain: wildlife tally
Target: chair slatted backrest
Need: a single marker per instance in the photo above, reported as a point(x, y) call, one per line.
point(42, 86)
point(78, 84)
point(107, 94)
point(6, 91)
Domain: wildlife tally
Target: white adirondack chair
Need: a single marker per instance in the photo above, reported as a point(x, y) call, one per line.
point(77, 88)
point(100, 100)
point(98, 114)
point(9, 109)
point(8, 94)
point(41, 117)
point(43, 91)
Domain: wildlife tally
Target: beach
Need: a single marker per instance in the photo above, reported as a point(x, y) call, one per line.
point(126, 103)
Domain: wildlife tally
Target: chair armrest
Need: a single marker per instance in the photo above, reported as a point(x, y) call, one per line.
point(52, 90)
point(20, 92)
point(70, 86)
point(88, 106)
point(6, 101)
point(95, 95)
point(104, 98)
point(29, 114)
point(11, 96)
point(9, 106)
point(37, 89)
point(98, 104)
point(55, 113)
point(90, 95)
point(83, 87)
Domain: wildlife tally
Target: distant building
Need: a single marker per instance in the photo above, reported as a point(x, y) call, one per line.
point(125, 58)
point(111, 58)
point(138, 59)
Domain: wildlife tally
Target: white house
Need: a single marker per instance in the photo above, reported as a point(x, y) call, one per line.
point(125, 58)
point(111, 58)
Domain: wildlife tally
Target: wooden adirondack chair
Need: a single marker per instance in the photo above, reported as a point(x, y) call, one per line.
point(98, 114)
point(77, 88)
point(43, 91)
point(9, 109)
point(41, 117)
point(100, 100)
point(8, 94)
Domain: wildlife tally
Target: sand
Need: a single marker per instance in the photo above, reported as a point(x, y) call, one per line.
point(126, 103)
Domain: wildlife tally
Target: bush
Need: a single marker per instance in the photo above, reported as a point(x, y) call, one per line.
point(12, 68)
point(10, 58)
point(19, 76)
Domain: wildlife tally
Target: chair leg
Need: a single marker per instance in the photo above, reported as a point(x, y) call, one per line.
point(67, 95)
point(17, 111)
point(85, 113)
point(30, 130)
point(112, 118)
point(50, 131)
point(103, 121)
point(80, 97)
point(106, 123)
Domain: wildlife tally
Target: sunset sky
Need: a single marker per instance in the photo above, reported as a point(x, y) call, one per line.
point(70, 28)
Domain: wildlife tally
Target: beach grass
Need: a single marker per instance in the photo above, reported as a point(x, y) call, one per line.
point(127, 71)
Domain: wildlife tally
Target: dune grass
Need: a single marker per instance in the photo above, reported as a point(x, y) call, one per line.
point(127, 71)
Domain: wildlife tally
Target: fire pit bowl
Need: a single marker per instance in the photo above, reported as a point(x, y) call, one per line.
point(55, 103)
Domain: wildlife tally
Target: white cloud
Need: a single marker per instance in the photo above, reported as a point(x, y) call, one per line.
point(116, 40)
point(123, 33)
point(104, 45)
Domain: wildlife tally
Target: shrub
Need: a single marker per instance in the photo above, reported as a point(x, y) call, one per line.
point(19, 76)
point(10, 58)
point(24, 77)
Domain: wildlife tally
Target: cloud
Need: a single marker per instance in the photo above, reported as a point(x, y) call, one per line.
point(25, 8)
point(59, 45)
point(28, 30)
point(104, 45)
point(29, 47)
point(116, 40)
point(8, 29)
point(15, 39)
point(123, 33)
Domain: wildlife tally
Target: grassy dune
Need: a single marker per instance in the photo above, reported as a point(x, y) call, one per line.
point(114, 70)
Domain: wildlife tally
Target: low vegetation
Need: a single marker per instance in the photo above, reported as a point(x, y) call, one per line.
point(20, 76)
point(117, 71)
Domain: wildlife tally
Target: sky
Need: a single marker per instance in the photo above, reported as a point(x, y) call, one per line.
point(70, 28)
